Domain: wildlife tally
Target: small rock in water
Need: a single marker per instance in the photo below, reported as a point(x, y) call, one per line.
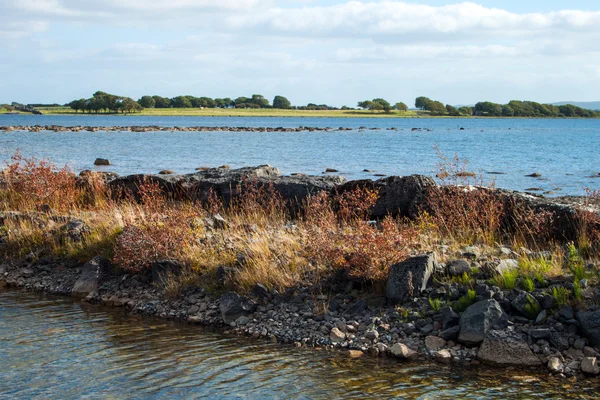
point(400, 350)
point(434, 343)
point(534, 175)
point(330, 170)
point(355, 353)
point(337, 336)
point(589, 365)
point(443, 356)
point(101, 161)
point(555, 365)
point(167, 172)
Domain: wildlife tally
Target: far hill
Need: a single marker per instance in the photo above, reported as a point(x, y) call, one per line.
point(590, 105)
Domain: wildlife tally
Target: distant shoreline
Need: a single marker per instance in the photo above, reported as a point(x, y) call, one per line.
point(273, 113)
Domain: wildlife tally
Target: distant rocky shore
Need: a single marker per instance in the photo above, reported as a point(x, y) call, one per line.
point(156, 128)
point(417, 317)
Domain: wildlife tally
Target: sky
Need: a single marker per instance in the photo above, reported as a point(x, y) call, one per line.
point(334, 52)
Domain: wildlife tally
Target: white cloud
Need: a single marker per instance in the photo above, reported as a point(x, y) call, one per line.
point(346, 49)
point(373, 19)
point(19, 29)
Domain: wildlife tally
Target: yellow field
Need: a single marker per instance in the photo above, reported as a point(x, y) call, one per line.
point(251, 112)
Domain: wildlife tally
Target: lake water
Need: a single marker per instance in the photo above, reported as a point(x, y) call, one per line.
point(55, 348)
point(564, 151)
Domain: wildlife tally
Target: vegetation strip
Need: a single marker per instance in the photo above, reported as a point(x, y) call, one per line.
point(102, 102)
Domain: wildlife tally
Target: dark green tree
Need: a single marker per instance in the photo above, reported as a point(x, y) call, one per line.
point(421, 102)
point(181, 102)
point(281, 102)
point(400, 106)
point(147, 102)
point(451, 110)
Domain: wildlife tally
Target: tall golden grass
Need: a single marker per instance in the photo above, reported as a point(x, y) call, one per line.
point(262, 241)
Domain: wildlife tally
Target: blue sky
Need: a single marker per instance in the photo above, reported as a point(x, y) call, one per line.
point(323, 51)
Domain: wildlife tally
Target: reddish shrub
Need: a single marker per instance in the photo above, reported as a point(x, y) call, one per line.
point(34, 184)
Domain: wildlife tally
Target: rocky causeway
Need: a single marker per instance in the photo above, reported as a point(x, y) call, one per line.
point(500, 328)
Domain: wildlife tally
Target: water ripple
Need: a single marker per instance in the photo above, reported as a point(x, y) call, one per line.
point(53, 348)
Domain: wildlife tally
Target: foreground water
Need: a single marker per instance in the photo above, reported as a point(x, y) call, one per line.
point(564, 151)
point(54, 348)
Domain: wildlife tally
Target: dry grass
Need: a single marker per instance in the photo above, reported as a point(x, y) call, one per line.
point(260, 240)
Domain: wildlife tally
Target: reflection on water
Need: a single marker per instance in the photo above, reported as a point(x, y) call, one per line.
point(55, 348)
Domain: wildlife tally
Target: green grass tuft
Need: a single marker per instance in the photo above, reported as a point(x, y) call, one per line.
point(507, 280)
point(465, 301)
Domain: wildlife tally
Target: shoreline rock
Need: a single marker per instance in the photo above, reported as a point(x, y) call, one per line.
point(291, 318)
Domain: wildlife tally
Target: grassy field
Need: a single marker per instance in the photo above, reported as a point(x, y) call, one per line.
point(250, 112)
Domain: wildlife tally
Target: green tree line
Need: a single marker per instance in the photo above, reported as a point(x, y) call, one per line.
point(105, 102)
point(514, 108)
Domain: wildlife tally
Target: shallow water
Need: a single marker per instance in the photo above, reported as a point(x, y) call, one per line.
point(564, 151)
point(54, 348)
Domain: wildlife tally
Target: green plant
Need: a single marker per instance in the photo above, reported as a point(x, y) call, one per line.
point(538, 267)
point(436, 304)
point(577, 291)
point(403, 312)
point(506, 280)
point(464, 279)
point(465, 301)
point(532, 308)
point(527, 284)
point(575, 262)
point(561, 295)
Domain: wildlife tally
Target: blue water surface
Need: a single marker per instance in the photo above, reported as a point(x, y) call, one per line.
point(564, 151)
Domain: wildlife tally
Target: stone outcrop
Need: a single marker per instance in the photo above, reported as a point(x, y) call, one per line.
point(409, 278)
point(479, 319)
point(227, 184)
point(398, 195)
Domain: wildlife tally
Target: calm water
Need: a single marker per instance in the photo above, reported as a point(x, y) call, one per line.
point(564, 151)
point(53, 348)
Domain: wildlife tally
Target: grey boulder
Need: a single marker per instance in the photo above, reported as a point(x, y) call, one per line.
point(409, 278)
point(233, 306)
point(590, 325)
point(479, 319)
point(507, 349)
